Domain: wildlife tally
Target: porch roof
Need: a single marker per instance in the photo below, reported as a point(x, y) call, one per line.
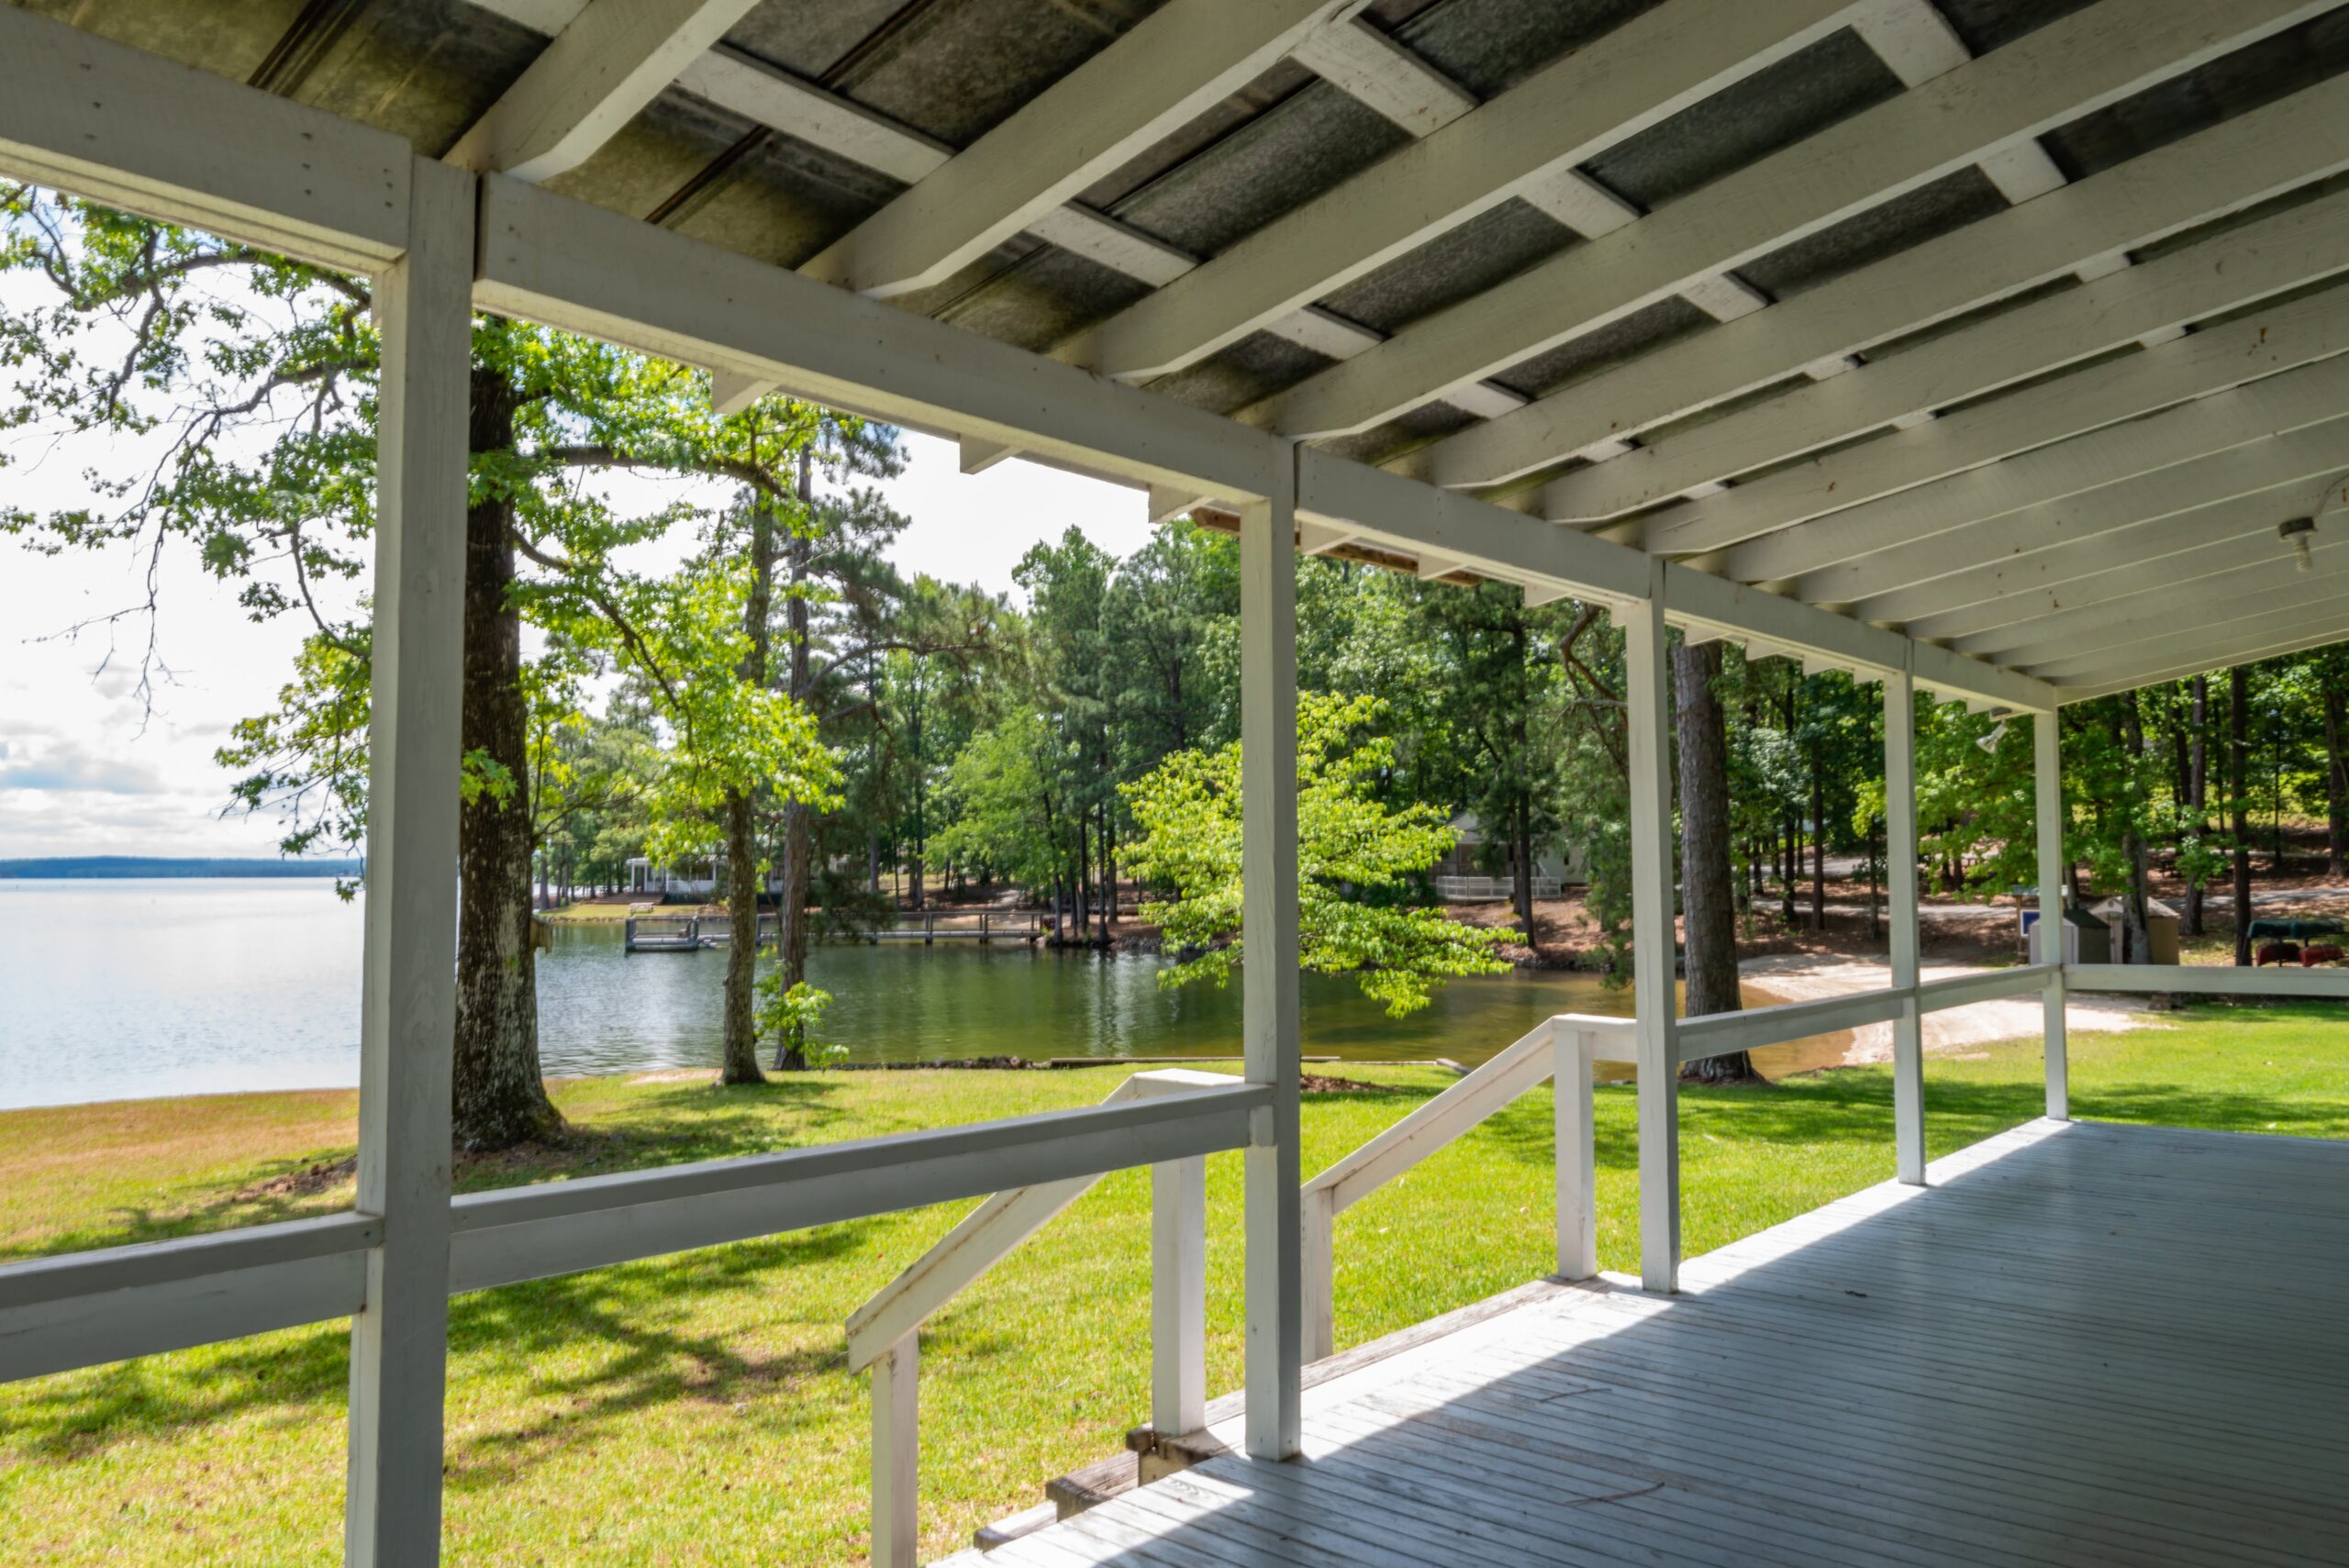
point(2010, 324)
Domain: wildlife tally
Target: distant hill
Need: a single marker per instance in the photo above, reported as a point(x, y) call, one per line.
point(85, 868)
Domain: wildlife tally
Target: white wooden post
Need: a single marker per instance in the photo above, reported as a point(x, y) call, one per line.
point(1652, 954)
point(399, 1343)
point(897, 1456)
point(1577, 1199)
point(1179, 1296)
point(2047, 765)
point(1319, 1244)
point(1900, 877)
point(1268, 943)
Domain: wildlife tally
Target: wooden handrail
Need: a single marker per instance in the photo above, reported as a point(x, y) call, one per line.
point(1560, 1048)
point(884, 1333)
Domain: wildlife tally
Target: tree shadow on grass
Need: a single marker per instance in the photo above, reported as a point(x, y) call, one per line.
point(627, 1322)
point(671, 1126)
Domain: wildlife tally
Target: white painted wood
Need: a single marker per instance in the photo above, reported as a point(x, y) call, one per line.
point(2227, 167)
point(567, 264)
point(87, 1308)
point(1432, 1126)
point(599, 73)
point(1718, 1034)
point(2206, 643)
point(1787, 626)
point(560, 1227)
point(1368, 66)
point(2274, 589)
point(1150, 80)
point(1900, 884)
point(1648, 721)
point(2200, 979)
point(765, 96)
point(1917, 42)
point(2071, 67)
point(1963, 990)
point(1269, 966)
point(1909, 484)
point(1632, 77)
point(1178, 1294)
point(977, 455)
point(1318, 1243)
point(2264, 258)
point(1572, 1049)
point(2048, 775)
point(2241, 653)
point(984, 1238)
point(897, 1456)
point(2169, 468)
point(81, 114)
point(2179, 548)
point(408, 991)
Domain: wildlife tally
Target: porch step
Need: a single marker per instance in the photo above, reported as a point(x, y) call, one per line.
point(1003, 1531)
point(1096, 1484)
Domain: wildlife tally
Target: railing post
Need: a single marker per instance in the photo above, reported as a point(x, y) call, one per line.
point(1320, 1245)
point(897, 1456)
point(1900, 877)
point(1269, 957)
point(399, 1343)
point(2047, 767)
point(1654, 967)
point(1578, 1200)
point(1179, 1296)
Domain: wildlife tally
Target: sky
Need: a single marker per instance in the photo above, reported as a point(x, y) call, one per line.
point(88, 767)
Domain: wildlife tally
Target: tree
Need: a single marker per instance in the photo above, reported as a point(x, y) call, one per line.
point(255, 377)
point(1356, 860)
point(2238, 796)
point(1708, 918)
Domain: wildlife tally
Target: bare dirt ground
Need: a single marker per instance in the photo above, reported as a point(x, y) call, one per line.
point(1803, 977)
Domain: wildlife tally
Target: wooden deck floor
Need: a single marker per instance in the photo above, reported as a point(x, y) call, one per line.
point(2083, 1344)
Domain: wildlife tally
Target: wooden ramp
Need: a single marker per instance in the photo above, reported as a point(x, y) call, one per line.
point(2082, 1344)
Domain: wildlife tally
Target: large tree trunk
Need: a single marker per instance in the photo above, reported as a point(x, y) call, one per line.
point(2239, 788)
point(799, 824)
point(1708, 915)
point(2198, 785)
point(741, 1058)
point(2336, 780)
point(498, 1097)
point(2137, 947)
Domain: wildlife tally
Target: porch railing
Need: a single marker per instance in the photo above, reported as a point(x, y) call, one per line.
point(1559, 1049)
point(883, 1333)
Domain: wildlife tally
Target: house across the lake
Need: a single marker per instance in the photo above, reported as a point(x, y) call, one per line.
point(1480, 871)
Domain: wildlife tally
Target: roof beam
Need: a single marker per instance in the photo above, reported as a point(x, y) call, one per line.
point(2160, 491)
point(2229, 166)
point(1631, 78)
point(2243, 265)
point(118, 125)
point(2324, 622)
point(2275, 585)
point(1902, 487)
point(600, 71)
point(1156, 77)
point(1988, 602)
point(1383, 75)
point(2081, 63)
point(2289, 643)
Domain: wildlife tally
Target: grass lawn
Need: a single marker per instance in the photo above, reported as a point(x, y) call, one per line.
point(695, 1411)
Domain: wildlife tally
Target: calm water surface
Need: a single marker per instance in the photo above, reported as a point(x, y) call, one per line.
point(113, 990)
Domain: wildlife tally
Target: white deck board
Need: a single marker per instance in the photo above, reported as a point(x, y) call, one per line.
point(2080, 1344)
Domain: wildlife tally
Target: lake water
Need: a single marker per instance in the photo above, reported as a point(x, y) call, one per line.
point(115, 990)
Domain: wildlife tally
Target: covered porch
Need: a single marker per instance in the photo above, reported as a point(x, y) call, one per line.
point(1913, 397)
point(2079, 1343)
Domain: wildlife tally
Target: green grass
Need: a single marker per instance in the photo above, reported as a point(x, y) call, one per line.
point(694, 1409)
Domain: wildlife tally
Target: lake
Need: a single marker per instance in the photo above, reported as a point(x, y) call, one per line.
point(116, 990)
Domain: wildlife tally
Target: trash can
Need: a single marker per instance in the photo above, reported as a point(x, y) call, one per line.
point(2161, 929)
